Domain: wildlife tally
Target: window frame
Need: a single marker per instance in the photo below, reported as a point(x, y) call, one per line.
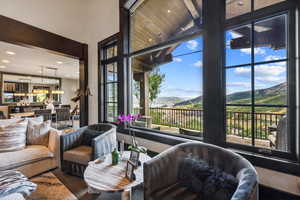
point(103, 62)
point(155, 48)
point(252, 18)
point(253, 154)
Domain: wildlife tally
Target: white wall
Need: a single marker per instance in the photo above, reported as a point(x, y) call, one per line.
point(88, 21)
point(69, 86)
point(63, 17)
point(103, 22)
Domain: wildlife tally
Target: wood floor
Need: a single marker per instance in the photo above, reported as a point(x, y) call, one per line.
point(78, 187)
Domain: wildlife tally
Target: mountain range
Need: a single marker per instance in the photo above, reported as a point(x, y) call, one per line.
point(273, 95)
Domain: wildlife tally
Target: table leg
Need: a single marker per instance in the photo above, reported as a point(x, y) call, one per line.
point(126, 195)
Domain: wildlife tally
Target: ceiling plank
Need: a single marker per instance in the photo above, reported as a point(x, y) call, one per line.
point(192, 9)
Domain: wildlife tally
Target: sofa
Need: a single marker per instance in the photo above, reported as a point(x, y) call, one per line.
point(86, 144)
point(34, 159)
point(161, 172)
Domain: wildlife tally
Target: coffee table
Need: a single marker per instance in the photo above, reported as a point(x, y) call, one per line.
point(102, 176)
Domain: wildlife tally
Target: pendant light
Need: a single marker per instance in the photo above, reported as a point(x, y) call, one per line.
point(57, 90)
point(41, 91)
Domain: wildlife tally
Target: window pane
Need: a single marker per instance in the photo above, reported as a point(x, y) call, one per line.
point(111, 51)
point(112, 73)
point(112, 92)
point(270, 39)
point(264, 3)
point(271, 83)
point(156, 21)
point(236, 8)
point(191, 46)
point(238, 85)
point(162, 94)
point(112, 112)
point(238, 125)
point(238, 46)
point(271, 128)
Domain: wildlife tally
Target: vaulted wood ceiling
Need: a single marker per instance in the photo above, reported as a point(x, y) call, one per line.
point(157, 21)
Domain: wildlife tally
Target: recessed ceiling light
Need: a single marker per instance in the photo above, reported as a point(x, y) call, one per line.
point(169, 11)
point(10, 53)
point(2, 67)
point(240, 3)
point(5, 61)
point(59, 62)
point(150, 39)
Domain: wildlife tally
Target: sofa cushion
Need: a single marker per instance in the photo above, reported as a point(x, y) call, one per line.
point(38, 133)
point(13, 134)
point(30, 154)
point(81, 154)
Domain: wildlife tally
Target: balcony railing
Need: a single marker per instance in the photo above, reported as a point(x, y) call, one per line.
point(238, 123)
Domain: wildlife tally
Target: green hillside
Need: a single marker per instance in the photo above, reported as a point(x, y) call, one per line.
point(275, 95)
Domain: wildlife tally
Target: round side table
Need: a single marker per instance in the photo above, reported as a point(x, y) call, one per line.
point(102, 176)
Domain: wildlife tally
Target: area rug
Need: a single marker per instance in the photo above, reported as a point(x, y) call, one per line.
point(50, 188)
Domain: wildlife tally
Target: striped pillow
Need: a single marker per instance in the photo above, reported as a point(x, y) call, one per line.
point(13, 134)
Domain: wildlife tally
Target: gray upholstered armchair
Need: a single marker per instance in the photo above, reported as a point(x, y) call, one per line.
point(86, 144)
point(160, 173)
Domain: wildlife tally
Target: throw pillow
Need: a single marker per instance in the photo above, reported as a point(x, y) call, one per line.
point(38, 133)
point(219, 185)
point(13, 134)
point(209, 182)
point(188, 175)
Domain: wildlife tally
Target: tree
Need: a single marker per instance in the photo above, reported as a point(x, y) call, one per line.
point(156, 78)
point(155, 81)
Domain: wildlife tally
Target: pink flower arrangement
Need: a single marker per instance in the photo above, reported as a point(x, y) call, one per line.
point(128, 118)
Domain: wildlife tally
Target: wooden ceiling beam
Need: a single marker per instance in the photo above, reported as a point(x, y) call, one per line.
point(192, 8)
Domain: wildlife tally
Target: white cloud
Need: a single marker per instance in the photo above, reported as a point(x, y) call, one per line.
point(263, 70)
point(242, 70)
point(239, 84)
point(256, 51)
point(234, 35)
point(186, 93)
point(177, 59)
point(192, 44)
point(198, 63)
point(270, 73)
point(273, 79)
point(269, 70)
point(272, 57)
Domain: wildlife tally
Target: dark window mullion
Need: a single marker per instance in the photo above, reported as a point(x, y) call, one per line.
point(252, 84)
point(257, 63)
point(258, 105)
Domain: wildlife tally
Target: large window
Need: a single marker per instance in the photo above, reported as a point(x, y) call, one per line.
point(167, 89)
point(170, 40)
point(257, 84)
point(109, 63)
point(167, 76)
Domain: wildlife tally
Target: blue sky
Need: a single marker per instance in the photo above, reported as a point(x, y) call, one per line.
point(184, 74)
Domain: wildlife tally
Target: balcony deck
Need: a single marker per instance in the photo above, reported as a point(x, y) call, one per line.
point(238, 126)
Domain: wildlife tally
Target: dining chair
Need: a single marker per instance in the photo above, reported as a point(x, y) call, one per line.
point(46, 113)
point(63, 115)
point(66, 106)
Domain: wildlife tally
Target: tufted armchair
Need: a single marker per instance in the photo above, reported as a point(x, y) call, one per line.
point(84, 145)
point(160, 173)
